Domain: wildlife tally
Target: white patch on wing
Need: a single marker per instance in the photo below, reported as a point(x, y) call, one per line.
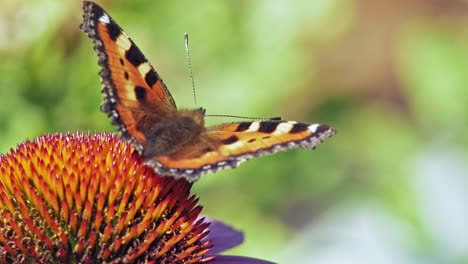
point(130, 92)
point(144, 68)
point(235, 145)
point(312, 128)
point(253, 127)
point(124, 43)
point(283, 128)
point(104, 19)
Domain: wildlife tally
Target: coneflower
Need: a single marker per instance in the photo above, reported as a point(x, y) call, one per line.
point(81, 198)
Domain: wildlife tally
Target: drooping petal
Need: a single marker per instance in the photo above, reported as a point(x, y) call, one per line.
point(222, 236)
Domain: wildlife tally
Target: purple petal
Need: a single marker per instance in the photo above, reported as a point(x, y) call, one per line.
point(238, 260)
point(223, 237)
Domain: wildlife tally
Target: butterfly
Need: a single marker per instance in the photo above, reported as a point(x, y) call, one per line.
point(171, 141)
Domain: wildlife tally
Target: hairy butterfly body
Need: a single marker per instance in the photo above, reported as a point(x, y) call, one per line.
point(171, 141)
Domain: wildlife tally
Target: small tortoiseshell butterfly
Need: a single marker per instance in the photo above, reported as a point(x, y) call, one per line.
point(171, 141)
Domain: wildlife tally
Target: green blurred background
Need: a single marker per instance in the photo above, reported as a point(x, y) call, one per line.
point(390, 76)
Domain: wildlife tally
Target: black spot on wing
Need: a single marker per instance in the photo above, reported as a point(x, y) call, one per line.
point(140, 93)
point(243, 126)
point(134, 56)
point(268, 127)
point(121, 62)
point(151, 78)
point(251, 140)
point(322, 129)
point(113, 30)
point(230, 140)
point(126, 76)
point(298, 128)
point(206, 150)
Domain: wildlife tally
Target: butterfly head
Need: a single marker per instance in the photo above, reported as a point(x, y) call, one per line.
point(195, 117)
point(201, 110)
point(197, 114)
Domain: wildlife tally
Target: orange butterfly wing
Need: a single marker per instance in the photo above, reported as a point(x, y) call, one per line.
point(135, 95)
point(228, 145)
point(140, 105)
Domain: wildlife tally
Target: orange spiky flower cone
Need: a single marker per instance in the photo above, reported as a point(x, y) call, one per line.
point(80, 198)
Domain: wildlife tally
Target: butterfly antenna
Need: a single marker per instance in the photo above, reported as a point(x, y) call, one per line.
point(247, 117)
point(187, 52)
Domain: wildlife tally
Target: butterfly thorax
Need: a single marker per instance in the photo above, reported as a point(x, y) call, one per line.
point(175, 131)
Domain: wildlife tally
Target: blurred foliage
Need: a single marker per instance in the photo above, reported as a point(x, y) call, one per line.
point(391, 76)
